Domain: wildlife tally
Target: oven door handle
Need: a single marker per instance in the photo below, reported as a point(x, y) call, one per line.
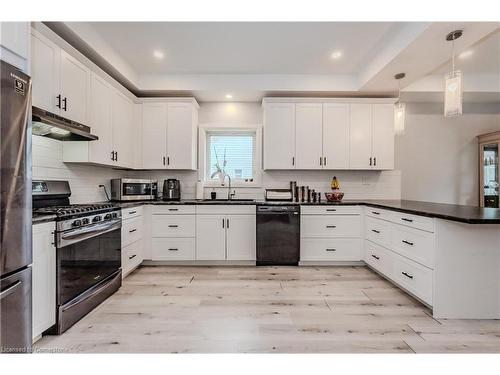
point(86, 233)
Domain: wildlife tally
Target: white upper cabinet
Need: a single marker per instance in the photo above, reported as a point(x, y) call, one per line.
point(14, 43)
point(279, 136)
point(169, 135)
point(383, 136)
point(154, 135)
point(336, 120)
point(360, 138)
point(308, 136)
point(122, 120)
point(101, 151)
point(61, 84)
point(181, 136)
point(45, 62)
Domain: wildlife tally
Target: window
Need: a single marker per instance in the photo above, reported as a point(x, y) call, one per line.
point(238, 151)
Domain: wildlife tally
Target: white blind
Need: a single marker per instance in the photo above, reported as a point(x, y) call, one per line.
point(238, 150)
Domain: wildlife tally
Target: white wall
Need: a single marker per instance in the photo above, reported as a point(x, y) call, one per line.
point(438, 156)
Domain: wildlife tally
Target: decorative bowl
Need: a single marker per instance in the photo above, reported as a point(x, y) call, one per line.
point(335, 196)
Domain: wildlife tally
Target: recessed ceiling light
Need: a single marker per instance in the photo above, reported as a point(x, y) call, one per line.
point(158, 54)
point(229, 96)
point(466, 54)
point(336, 55)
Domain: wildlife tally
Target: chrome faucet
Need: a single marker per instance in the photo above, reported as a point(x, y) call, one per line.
point(224, 175)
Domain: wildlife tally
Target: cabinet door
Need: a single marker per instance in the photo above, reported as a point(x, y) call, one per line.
point(181, 136)
point(241, 243)
point(45, 63)
point(210, 237)
point(121, 119)
point(154, 135)
point(15, 37)
point(360, 136)
point(279, 136)
point(75, 79)
point(100, 121)
point(336, 136)
point(308, 136)
point(383, 136)
point(44, 278)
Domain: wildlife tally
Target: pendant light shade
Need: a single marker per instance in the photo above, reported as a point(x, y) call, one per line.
point(399, 109)
point(453, 85)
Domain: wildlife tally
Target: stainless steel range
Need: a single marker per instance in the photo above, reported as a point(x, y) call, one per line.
point(88, 245)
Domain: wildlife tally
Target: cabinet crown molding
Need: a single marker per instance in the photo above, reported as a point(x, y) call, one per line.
point(329, 100)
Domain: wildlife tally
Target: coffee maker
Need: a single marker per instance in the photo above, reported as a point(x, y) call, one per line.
point(171, 190)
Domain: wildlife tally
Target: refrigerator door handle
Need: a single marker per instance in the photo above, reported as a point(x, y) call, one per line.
point(7, 292)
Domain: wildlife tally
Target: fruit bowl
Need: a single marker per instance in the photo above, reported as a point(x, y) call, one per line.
point(335, 196)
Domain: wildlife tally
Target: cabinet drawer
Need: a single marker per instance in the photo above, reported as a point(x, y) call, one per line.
point(330, 226)
point(330, 249)
point(414, 221)
point(379, 213)
point(378, 231)
point(330, 210)
point(131, 256)
point(132, 230)
point(173, 226)
point(171, 209)
point(414, 244)
point(173, 249)
point(207, 209)
point(414, 277)
point(379, 258)
point(128, 213)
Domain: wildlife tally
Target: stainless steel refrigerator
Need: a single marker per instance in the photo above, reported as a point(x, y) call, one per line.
point(15, 218)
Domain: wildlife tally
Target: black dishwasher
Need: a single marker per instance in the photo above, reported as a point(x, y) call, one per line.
point(278, 235)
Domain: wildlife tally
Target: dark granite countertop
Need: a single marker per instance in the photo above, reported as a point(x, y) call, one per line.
point(462, 214)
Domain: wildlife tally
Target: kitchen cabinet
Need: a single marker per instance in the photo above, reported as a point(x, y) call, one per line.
point(122, 125)
point(336, 121)
point(360, 136)
point(279, 136)
point(169, 135)
point(308, 136)
point(383, 136)
point(489, 170)
point(14, 43)
point(225, 233)
point(132, 239)
point(61, 83)
point(44, 278)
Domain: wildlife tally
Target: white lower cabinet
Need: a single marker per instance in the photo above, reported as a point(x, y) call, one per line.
point(331, 249)
point(132, 239)
point(230, 236)
point(43, 278)
point(173, 248)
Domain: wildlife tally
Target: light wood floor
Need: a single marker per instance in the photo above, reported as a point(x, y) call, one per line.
point(268, 310)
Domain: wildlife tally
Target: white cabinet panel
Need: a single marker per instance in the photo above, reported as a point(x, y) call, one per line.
point(378, 231)
point(413, 277)
point(241, 237)
point(154, 135)
point(383, 136)
point(15, 37)
point(331, 249)
point(100, 121)
point(173, 226)
point(181, 136)
point(75, 82)
point(279, 136)
point(330, 226)
point(173, 249)
point(360, 136)
point(414, 244)
point(308, 136)
point(132, 230)
point(379, 258)
point(210, 237)
point(122, 129)
point(336, 120)
point(131, 257)
point(44, 278)
point(45, 63)
point(330, 210)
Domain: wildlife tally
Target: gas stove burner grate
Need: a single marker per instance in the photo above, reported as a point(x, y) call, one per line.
point(75, 209)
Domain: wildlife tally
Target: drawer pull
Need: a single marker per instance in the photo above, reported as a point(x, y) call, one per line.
point(331, 209)
point(173, 209)
point(132, 230)
point(331, 226)
point(408, 220)
point(407, 275)
point(375, 231)
point(173, 249)
point(376, 257)
point(173, 226)
point(407, 242)
point(331, 249)
point(375, 213)
point(132, 212)
point(132, 256)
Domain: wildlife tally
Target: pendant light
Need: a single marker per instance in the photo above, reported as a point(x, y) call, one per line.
point(399, 108)
point(453, 89)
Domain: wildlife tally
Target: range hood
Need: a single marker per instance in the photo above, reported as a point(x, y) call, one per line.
point(50, 125)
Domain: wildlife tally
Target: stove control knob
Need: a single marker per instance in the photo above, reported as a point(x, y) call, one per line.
point(96, 219)
point(107, 217)
point(85, 221)
point(77, 223)
point(115, 215)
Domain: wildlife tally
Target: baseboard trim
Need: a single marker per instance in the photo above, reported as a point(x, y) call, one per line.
point(198, 263)
point(317, 263)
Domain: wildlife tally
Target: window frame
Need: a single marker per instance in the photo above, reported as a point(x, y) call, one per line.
point(205, 130)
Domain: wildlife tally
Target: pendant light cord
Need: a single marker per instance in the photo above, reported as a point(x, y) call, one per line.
point(453, 55)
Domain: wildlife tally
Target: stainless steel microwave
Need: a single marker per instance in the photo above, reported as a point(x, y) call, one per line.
point(131, 189)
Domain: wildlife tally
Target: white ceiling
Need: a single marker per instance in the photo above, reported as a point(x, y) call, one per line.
point(244, 47)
